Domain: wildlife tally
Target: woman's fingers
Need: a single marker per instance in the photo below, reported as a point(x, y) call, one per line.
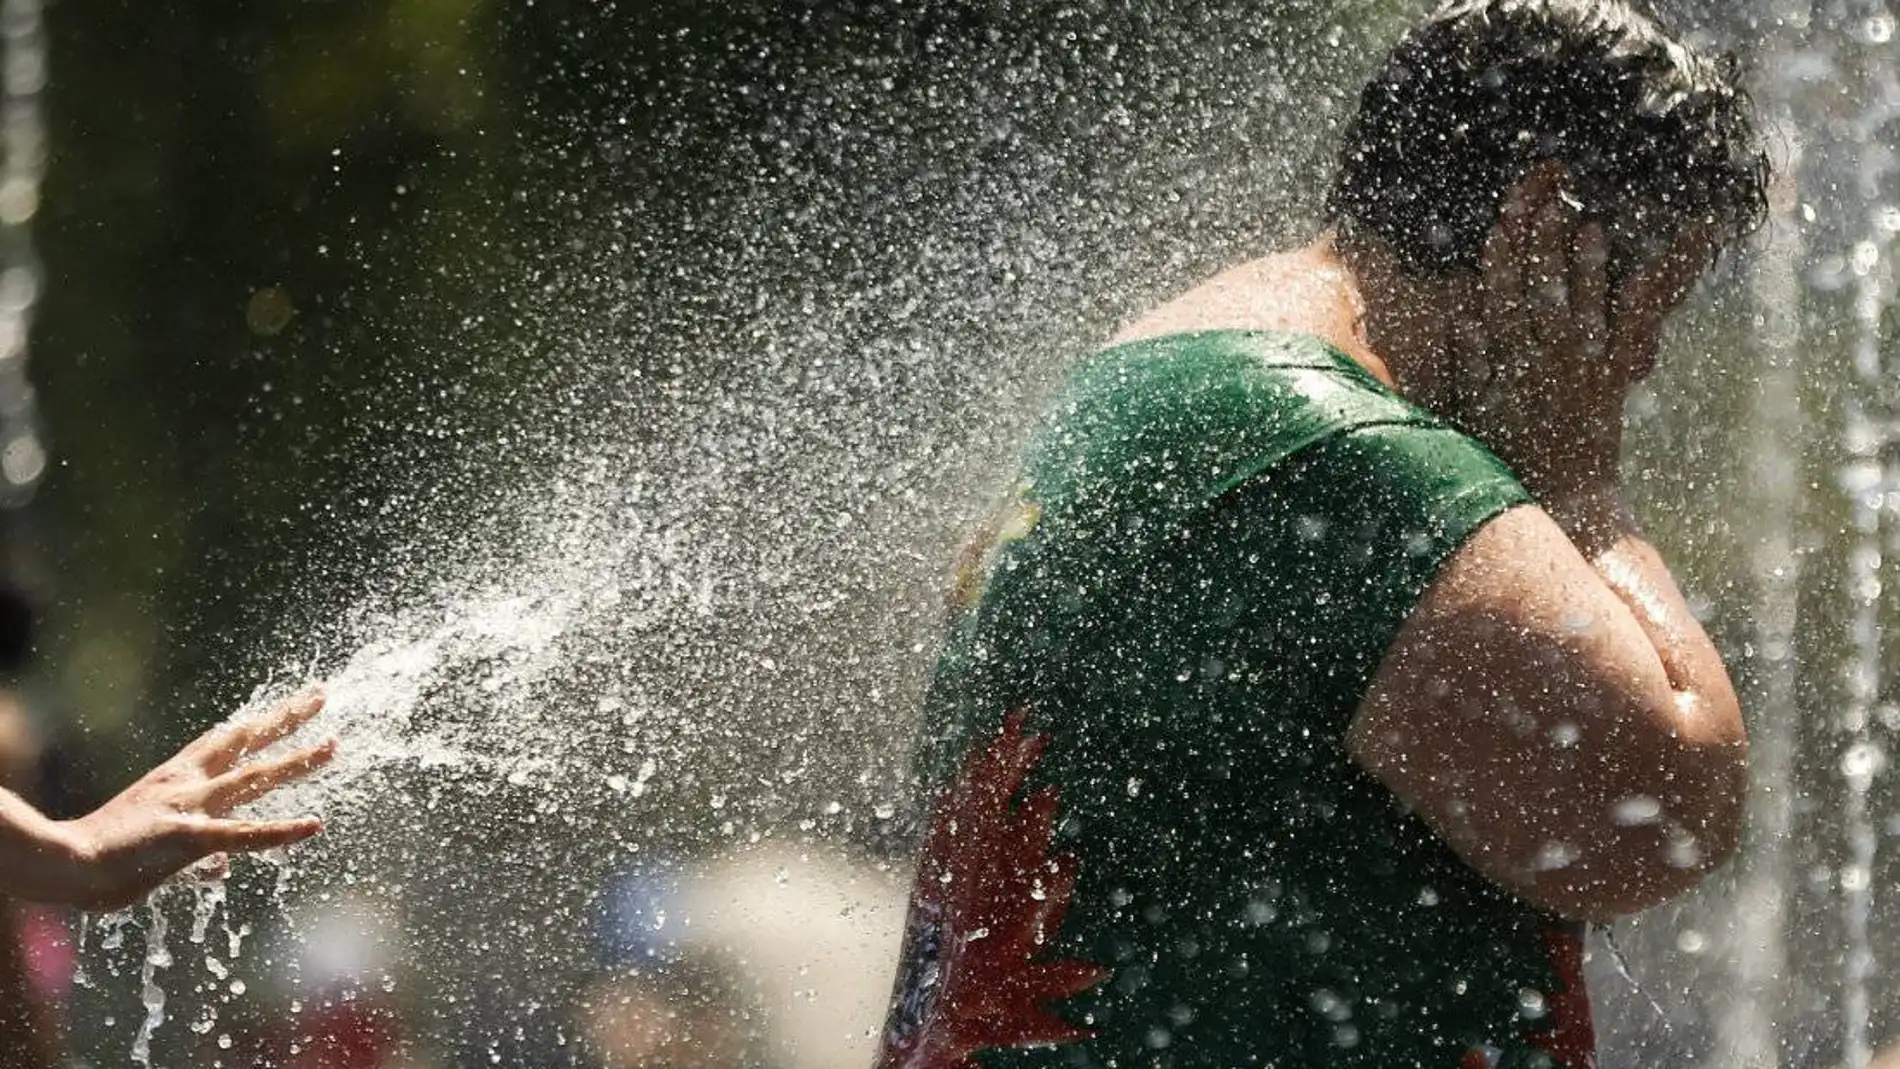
point(222, 747)
point(1501, 260)
point(1590, 289)
point(210, 869)
point(1553, 242)
point(290, 715)
point(1516, 258)
point(249, 836)
point(257, 779)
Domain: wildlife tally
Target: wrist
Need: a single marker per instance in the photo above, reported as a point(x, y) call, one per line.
point(1562, 458)
point(66, 850)
point(41, 859)
point(1571, 471)
point(1593, 515)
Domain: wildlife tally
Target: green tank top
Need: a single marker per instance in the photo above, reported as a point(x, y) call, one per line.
point(1147, 845)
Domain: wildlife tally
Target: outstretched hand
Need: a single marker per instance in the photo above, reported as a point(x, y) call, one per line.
point(178, 814)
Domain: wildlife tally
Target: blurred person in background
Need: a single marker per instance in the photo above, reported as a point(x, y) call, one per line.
point(343, 967)
point(678, 1012)
point(660, 1003)
point(774, 955)
point(37, 953)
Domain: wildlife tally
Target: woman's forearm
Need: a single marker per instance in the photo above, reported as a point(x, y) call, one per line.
point(39, 857)
point(1705, 707)
point(1605, 532)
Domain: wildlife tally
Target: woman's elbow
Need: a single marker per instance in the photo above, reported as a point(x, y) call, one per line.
point(1661, 839)
point(1708, 780)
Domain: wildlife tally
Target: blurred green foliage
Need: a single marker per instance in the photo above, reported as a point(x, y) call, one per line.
point(234, 196)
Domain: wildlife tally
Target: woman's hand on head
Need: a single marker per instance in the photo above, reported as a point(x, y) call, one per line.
point(179, 814)
point(1533, 343)
point(1548, 346)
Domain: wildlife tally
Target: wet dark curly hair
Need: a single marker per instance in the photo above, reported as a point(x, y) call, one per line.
point(1654, 134)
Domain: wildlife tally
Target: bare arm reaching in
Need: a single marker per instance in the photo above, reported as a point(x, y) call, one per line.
point(174, 816)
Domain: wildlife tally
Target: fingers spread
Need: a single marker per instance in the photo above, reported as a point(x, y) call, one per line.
point(224, 746)
point(255, 780)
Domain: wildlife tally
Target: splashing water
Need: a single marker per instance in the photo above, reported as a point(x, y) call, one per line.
point(709, 624)
point(1872, 482)
point(465, 787)
point(773, 407)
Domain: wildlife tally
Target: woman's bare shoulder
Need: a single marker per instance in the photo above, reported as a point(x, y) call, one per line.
point(1304, 291)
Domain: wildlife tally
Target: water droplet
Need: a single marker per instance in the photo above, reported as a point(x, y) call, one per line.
point(647, 768)
point(1329, 1005)
point(1863, 761)
point(1636, 810)
point(1865, 258)
point(1684, 851)
point(1555, 855)
point(1855, 878)
point(1259, 912)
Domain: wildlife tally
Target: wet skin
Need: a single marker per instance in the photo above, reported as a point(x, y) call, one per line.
point(174, 817)
point(1551, 696)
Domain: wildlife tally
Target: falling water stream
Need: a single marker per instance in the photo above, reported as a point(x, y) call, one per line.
point(1755, 954)
point(1873, 481)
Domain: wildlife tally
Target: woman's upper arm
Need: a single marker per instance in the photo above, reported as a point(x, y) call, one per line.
point(1523, 713)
